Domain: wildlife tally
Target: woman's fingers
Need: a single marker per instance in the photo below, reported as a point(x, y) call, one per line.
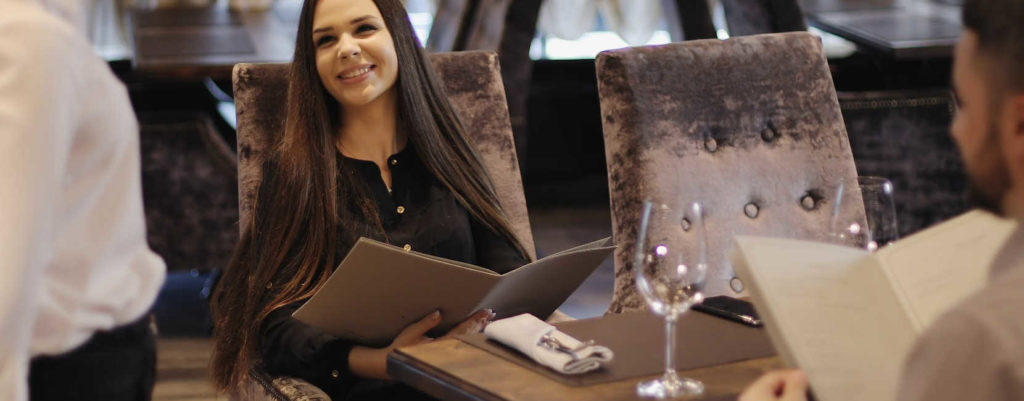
point(415, 332)
point(473, 324)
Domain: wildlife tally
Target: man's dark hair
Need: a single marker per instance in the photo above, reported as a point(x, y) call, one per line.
point(999, 25)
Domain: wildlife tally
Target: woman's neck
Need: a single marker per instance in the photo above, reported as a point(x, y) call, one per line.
point(370, 132)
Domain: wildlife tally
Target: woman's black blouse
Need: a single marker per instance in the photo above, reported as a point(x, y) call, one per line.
point(417, 212)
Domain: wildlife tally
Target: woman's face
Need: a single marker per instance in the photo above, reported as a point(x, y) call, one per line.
point(355, 55)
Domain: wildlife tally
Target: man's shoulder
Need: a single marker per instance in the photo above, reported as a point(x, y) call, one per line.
point(25, 13)
point(26, 27)
point(973, 351)
point(993, 314)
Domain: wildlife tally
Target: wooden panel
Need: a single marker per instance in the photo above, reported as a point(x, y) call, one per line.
point(193, 43)
point(453, 370)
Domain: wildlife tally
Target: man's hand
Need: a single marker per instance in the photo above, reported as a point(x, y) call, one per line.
point(779, 385)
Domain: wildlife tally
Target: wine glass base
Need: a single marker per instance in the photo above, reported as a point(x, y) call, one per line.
point(669, 386)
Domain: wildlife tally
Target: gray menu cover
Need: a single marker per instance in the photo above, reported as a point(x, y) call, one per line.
point(379, 289)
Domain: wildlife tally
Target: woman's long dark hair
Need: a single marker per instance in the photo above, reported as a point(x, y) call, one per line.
point(290, 247)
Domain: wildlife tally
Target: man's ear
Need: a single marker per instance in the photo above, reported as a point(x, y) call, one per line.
point(1017, 106)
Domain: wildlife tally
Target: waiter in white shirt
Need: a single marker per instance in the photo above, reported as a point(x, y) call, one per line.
point(77, 278)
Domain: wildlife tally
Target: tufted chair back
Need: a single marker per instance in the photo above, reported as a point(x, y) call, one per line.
point(472, 81)
point(749, 126)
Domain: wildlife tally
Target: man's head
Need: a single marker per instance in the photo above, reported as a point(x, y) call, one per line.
point(988, 78)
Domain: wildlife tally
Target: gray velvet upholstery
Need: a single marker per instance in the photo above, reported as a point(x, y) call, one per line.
point(748, 126)
point(472, 81)
point(261, 387)
point(188, 181)
point(903, 135)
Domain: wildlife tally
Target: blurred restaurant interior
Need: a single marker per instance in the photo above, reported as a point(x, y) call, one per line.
point(890, 63)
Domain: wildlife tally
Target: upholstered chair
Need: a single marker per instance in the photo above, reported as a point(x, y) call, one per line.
point(752, 17)
point(749, 126)
point(472, 81)
point(903, 135)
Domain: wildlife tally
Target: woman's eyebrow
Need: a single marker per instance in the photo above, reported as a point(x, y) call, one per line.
point(362, 19)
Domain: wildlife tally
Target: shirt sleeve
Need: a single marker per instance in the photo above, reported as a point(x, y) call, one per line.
point(292, 348)
point(963, 357)
point(37, 116)
point(494, 251)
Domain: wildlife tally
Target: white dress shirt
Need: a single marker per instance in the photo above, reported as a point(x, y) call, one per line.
point(975, 351)
point(73, 252)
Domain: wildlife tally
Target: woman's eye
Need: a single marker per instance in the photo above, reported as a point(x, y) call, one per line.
point(366, 28)
point(324, 40)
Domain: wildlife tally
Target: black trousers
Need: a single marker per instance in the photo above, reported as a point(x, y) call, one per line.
point(114, 365)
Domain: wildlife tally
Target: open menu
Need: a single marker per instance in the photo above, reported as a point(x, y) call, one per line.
point(848, 317)
point(379, 289)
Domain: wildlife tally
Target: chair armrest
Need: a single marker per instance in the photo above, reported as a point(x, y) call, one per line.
point(262, 387)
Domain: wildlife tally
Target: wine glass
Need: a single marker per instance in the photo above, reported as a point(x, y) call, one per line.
point(864, 214)
point(670, 264)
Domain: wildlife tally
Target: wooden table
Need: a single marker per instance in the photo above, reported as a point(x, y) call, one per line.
point(453, 370)
point(194, 43)
point(902, 29)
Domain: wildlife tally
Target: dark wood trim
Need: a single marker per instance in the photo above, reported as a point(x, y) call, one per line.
point(435, 382)
point(695, 16)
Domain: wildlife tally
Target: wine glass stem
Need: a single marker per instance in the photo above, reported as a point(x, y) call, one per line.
point(670, 343)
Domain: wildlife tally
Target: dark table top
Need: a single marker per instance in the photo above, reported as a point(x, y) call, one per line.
point(902, 29)
point(193, 43)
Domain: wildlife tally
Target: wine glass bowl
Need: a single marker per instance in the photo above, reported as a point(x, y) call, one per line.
point(670, 267)
point(668, 292)
point(864, 214)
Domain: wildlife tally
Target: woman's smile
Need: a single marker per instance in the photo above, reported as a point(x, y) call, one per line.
point(356, 74)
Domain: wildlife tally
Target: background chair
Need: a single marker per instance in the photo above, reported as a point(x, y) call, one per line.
point(898, 133)
point(472, 81)
point(751, 17)
point(749, 126)
point(188, 181)
point(903, 135)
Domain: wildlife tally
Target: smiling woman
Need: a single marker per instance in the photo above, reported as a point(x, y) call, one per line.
point(371, 148)
point(355, 55)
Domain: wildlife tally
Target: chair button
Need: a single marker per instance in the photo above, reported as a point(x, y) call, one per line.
point(711, 144)
point(807, 202)
point(685, 224)
point(407, 247)
point(335, 373)
point(736, 284)
point(768, 133)
point(400, 209)
point(751, 210)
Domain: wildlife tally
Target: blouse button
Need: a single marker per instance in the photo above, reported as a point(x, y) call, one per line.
point(335, 374)
point(736, 284)
point(394, 162)
point(407, 247)
point(400, 209)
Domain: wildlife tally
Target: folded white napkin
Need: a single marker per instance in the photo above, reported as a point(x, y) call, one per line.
point(526, 333)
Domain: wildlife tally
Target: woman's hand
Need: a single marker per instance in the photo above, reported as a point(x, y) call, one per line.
point(475, 323)
point(373, 362)
point(779, 385)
